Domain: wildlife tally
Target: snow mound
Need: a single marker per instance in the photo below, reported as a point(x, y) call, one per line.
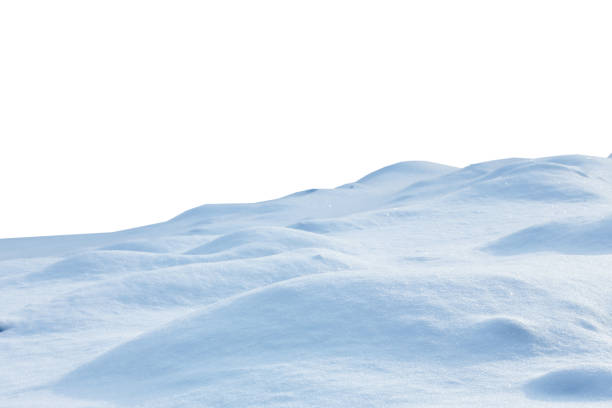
point(551, 179)
point(328, 316)
point(593, 238)
point(262, 241)
point(406, 173)
point(193, 285)
point(100, 264)
point(507, 335)
point(575, 384)
point(370, 294)
point(219, 213)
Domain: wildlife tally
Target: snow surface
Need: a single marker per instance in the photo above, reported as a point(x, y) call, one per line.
point(418, 285)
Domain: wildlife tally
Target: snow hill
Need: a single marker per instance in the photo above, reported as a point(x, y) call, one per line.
point(419, 285)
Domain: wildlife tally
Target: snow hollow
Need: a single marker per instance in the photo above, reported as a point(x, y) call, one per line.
point(419, 285)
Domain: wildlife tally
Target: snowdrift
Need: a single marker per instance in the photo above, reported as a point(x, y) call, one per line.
point(593, 238)
point(577, 384)
point(327, 316)
point(549, 180)
point(419, 285)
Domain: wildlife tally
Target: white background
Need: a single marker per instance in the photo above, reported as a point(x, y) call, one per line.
point(115, 114)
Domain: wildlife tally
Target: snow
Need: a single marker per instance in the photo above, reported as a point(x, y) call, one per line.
point(588, 384)
point(418, 285)
point(593, 237)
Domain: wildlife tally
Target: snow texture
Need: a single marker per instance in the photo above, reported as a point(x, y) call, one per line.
point(419, 285)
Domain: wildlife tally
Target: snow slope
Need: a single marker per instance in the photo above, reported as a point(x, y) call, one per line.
point(418, 285)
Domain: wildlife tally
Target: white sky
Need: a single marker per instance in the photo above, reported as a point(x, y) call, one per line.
point(115, 114)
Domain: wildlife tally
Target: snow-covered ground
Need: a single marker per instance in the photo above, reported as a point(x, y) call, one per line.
point(419, 285)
